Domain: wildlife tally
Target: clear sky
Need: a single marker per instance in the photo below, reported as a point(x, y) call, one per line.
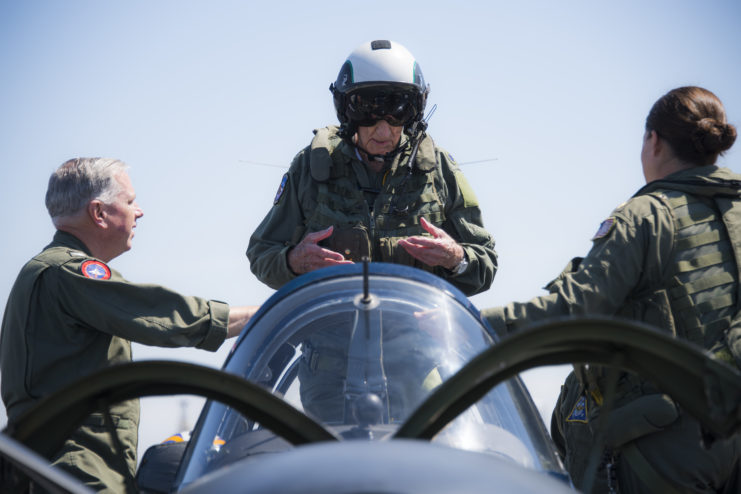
point(192, 94)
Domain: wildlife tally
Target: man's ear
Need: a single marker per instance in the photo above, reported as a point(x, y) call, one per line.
point(96, 211)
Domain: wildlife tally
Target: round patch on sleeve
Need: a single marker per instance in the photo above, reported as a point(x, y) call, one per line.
point(95, 270)
point(604, 228)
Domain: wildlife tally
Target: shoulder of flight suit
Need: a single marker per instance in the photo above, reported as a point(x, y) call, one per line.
point(465, 224)
point(629, 252)
point(283, 225)
point(452, 173)
point(145, 313)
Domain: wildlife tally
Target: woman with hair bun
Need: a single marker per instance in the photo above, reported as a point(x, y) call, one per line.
point(692, 121)
point(670, 256)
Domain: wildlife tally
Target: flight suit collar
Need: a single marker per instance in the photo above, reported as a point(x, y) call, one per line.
point(707, 180)
point(64, 239)
point(425, 160)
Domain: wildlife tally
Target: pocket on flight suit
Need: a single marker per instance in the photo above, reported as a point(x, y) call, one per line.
point(353, 243)
point(90, 455)
point(642, 416)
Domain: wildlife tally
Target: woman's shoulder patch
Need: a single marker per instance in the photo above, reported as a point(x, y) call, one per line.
point(604, 228)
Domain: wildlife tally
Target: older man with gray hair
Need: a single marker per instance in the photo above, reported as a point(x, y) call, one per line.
point(69, 314)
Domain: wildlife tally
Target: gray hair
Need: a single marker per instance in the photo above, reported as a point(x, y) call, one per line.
point(80, 180)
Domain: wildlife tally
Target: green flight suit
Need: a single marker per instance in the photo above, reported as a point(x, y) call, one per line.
point(329, 185)
point(667, 257)
point(69, 315)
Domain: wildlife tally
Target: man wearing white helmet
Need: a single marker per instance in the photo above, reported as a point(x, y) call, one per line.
point(375, 186)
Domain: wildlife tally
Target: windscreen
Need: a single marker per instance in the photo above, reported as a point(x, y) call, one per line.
point(360, 362)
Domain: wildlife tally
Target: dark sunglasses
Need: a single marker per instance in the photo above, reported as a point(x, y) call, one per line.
point(365, 108)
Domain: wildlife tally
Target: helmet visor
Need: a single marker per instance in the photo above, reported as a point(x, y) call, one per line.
point(365, 107)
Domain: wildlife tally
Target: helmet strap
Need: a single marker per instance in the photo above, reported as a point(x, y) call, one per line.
point(416, 134)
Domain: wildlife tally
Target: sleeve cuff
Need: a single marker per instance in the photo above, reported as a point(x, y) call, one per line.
point(217, 331)
point(290, 271)
point(495, 317)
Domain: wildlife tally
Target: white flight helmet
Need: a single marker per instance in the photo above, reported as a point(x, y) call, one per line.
point(379, 80)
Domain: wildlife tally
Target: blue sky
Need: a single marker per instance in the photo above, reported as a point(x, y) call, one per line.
point(192, 94)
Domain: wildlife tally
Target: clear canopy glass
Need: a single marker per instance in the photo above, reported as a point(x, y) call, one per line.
point(359, 356)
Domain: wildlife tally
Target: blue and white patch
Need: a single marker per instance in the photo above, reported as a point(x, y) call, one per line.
point(281, 188)
point(95, 270)
point(579, 412)
point(450, 157)
point(604, 228)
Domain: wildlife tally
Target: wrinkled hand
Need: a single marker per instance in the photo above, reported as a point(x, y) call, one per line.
point(441, 250)
point(308, 256)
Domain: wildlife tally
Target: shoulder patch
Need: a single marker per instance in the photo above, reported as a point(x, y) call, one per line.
point(95, 270)
point(604, 228)
point(579, 412)
point(281, 188)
